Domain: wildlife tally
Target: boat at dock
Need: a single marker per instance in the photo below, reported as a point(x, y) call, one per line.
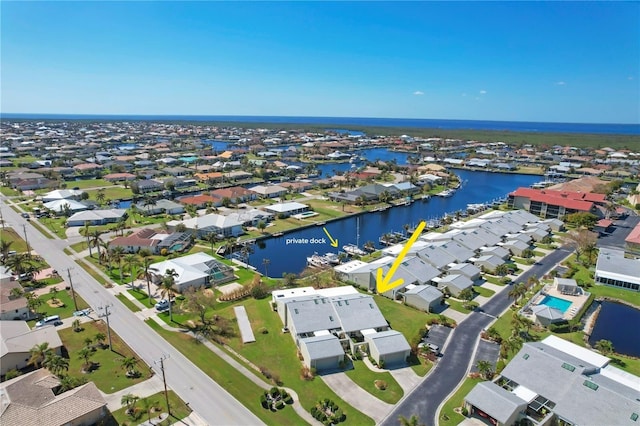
point(446, 193)
point(278, 234)
point(332, 258)
point(353, 250)
point(317, 261)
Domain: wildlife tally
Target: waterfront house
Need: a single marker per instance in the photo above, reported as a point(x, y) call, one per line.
point(148, 185)
point(153, 241)
point(119, 177)
point(361, 273)
point(286, 209)
point(459, 252)
point(613, 269)
point(437, 256)
point(555, 381)
point(200, 201)
point(236, 194)
point(160, 206)
point(412, 270)
point(224, 226)
point(548, 203)
point(61, 207)
point(62, 194)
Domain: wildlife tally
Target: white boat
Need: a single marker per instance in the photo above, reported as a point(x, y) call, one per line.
point(317, 261)
point(332, 258)
point(446, 193)
point(353, 250)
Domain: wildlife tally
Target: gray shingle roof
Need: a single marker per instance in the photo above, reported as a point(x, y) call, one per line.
point(495, 401)
point(320, 347)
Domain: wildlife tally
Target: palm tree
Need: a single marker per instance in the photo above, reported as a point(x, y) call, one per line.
point(5, 248)
point(95, 240)
point(147, 405)
point(147, 261)
point(85, 354)
point(21, 263)
point(484, 368)
point(166, 288)
point(129, 365)
point(604, 346)
point(53, 291)
point(100, 196)
point(56, 364)
point(86, 231)
point(116, 254)
point(502, 270)
point(76, 325)
point(99, 338)
point(414, 420)
point(211, 239)
point(39, 353)
point(129, 400)
point(104, 256)
point(132, 261)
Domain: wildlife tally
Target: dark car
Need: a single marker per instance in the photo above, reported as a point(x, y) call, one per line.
point(25, 215)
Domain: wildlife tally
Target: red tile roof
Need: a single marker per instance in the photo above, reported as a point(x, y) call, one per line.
point(604, 223)
point(198, 200)
point(582, 201)
point(634, 235)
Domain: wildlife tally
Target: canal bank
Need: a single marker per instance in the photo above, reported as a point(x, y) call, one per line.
point(480, 187)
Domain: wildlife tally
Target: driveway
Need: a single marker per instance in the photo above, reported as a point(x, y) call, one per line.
point(487, 351)
point(212, 402)
point(359, 398)
point(438, 335)
point(621, 229)
point(452, 368)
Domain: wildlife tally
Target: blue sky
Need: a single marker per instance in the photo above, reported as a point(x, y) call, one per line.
point(544, 61)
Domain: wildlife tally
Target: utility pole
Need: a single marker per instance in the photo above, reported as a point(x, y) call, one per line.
point(24, 229)
point(73, 292)
point(106, 315)
point(164, 380)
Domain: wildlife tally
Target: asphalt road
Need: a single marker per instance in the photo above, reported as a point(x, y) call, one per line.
point(621, 230)
point(452, 368)
point(212, 402)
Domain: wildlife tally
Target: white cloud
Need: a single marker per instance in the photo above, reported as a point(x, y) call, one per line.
point(483, 92)
point(560, 83)
point(418, 93)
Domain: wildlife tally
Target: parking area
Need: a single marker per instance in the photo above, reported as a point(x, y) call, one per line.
point(437, 335)
point(487, 351)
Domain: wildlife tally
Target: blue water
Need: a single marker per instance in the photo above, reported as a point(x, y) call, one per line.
point(555, 302)
point(479, 187)
point(420, 123)
point(618, 323)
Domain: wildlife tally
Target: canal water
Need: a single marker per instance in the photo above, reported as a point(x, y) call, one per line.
point(625, 339)
point(478, 187)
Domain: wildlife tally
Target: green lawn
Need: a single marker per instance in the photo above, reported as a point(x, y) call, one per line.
point(456, 305)
point(403, 318)
point(632, 297)
point(365, 378)
point(128, 303)
point(98, 277)
point(42, 230)
point(9, 192)
point(64, 311)
point(447, 415)
point(88, 183)
point(56, 226)
point(179, 410)
point(485, 292)
point(142, 297)
point(277, 352)
point(493, 280)
point(17, 243)
point(226, 376)
point(112, 193)
point(108, 374)
point(80, 246)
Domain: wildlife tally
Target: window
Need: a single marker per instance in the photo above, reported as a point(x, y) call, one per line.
point(634, 416)
point(525, 356)
point(568, 367)
point(590, 385)
point(295, 310)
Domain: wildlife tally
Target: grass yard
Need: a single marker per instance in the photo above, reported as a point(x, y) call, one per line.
point(108, 374)
point(42, 230)
point(485, 292)
point(447, 415)
point(494, 280)
point(365, 378)
point(142, 297)
point(226, 376)
point(112, 193)
point(65, 311)
point(88, 183)
point(128, 303)
point(456, 305)
point(78, 247)
point(179, 410)
point(9, 192)
point(405, 319)
point(96, 276)
point(277, 352)
point(17, 243)
point(56, 226)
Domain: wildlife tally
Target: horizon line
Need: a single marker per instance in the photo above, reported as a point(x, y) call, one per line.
point(36, 115)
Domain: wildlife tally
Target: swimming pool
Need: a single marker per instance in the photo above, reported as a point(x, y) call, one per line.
point(555, 302)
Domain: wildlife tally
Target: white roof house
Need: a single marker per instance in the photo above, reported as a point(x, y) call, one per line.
point(211, 223)
point(17, 339)
point(62, 194)
point(194, 270)
point(96, 217)
point(60, 206)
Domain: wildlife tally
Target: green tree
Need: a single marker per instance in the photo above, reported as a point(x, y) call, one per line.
point(5, 248)
point(129, 365)
point(129, 400)
point(146, 262)
point(167, 288)
point(100, 196)
point(86, 231)
point(466, 294)
point(116, 254)
point(414, 420)
point(38, 353)
point(604, 346)
point(261, 226)
point(56, 364)
point(95, 240)
point(132, 262)
point(485, 369)
point(85, 354)
point(99, 338)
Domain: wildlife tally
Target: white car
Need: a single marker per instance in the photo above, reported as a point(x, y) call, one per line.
point(162, 305)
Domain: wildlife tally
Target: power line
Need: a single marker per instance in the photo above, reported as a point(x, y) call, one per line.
point(106, 315)
point(164, 380)
point(73, 292)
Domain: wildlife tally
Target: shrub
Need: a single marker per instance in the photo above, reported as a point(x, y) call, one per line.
point(381, 384)
point(306, 374)
point(264, 330)
point(288, 399)
point(274, 391)
point(13, 373)
point(280, 405)
point(464, 411)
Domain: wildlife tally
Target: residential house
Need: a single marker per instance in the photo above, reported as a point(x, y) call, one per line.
point(555, 381)
point(613, 269)
point(515, 246)
point(453, 283)
point(17, 339)
point(632, 242)
point(119, 177)
point(469, 270)
point(153, 241)
point(424, 297)
point(286, 209)
point(224, 226)
point(192, 271)
point(30, 400)
point(160, 207)
point(61, 207)
point(97, 217)
point(387, 348)
point(11, 307)
point(148, 185)
point(488, 262)
point(62, 194)
point(268, 191)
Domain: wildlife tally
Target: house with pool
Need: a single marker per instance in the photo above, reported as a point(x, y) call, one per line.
point(555, 303)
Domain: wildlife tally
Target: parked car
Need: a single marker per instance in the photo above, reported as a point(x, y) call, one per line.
point(162, 305)
point(25, 215)
point(52, 320)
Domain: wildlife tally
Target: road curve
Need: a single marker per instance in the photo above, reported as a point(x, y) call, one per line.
point(452, 368)
point(212, 402)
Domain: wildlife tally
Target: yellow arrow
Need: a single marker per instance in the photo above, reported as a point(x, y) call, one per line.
point(384, 283)
point(334, 243)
